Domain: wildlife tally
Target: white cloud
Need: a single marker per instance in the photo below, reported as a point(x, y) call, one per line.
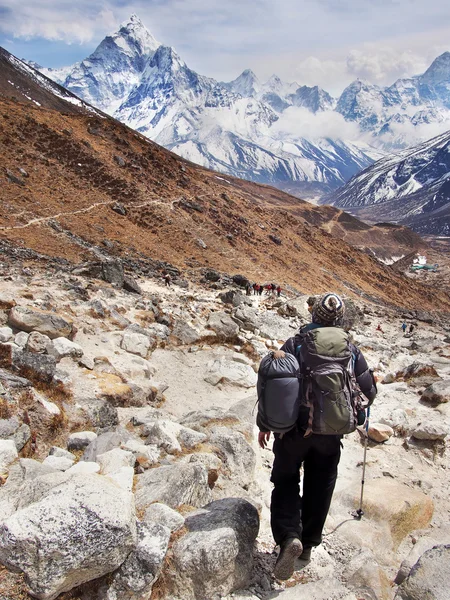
point(384, 65)
point(301, 123)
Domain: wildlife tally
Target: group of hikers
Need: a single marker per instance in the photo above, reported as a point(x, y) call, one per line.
point(258, 289)
point(405, 326)
point(310, 395)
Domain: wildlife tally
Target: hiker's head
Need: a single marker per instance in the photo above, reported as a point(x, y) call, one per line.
point(328, 309)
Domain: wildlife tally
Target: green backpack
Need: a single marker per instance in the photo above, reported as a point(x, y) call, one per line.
point(329, 387)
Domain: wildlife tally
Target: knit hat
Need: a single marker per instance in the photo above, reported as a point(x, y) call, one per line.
point(328, 309)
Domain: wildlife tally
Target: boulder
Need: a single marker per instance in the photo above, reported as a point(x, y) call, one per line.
point(223, 325)
point(403, 509)
point(174, 485)
point(37, 342)
point(248, 318)
point(32, 319)
point(135, 577)
point(236, 453)
point(39, 540)
point(185, 333)
point(13, 429)
point(363, 574)
point(222, 370)
point(164, 515)
point(437, 393)
point(112, 272)
point(102, 413)
point(114, 460)
point(135, 343)
point(61, 347)
point(100, 444)
point(8, 454)
point(429, 578)
point(430, 431)
point(6, 334)
point(13, 381)
point(379, 432)
point(40, 366)
point(59, 463)
point(80, 440)
point(131, 285)
point(215, 557)
point(172, 436)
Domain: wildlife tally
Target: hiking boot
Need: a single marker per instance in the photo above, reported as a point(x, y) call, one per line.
point(305, 555)
point(290, 550)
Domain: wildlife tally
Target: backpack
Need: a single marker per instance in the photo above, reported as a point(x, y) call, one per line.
point(329, 387)
point(278, 389)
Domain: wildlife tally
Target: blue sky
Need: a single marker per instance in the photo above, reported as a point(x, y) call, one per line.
point(324, 42)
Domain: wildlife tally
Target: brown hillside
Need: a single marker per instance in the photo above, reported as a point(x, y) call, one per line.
point(81, 168)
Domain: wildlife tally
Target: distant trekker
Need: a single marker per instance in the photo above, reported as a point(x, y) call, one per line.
point(411, 328)
point(279, 291)
point(167, 278)
point(404, 326)
point(379, 328)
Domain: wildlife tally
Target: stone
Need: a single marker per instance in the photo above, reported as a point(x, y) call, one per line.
point(101, 514)
point(21, 339)
point(215, 557)
point(37, 342)
point(80, 440)
point(112, 272)
point(135, 577)
point(40, 366)
point(87, 468)
point(61, 347)
point(131, 285)
point(60, 452)
point(14, 381)
point(102, 443)
point(146, 455)
point(208, 459)
point(8, 453)
point(429, 578)
point(135, 343)
point(32, 319)
point(172, 436)
point(430, 431)
point(60, 463)
point(114, 460)
point(102, 413)
point(222, 370)
point(236, 453)
point(402, 508)
point(13, 429)
point(164, 515)
point(379, 432)
point(185, 333)
point(223, 325)
point(6, 334)
point(437, 393)
point(174, 485)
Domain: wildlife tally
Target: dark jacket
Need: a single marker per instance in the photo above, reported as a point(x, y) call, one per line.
point(363, 374)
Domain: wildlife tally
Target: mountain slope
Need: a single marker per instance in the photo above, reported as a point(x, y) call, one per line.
point(412, 188)
point(78, 186)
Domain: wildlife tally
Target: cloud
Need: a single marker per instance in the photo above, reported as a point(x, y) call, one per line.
point(297, 122)
point(384, 65)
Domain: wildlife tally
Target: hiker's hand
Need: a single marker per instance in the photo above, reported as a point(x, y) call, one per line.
point(263, 438)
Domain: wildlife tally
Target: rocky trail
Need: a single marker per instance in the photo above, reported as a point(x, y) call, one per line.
point(129, 468)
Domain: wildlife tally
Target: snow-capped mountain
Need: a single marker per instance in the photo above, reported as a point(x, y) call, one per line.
point(412, 188)
point(225, 126)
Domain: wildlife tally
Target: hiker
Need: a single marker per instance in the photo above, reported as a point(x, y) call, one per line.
point(411, 328)
point(256, 289)
point(248, 288)
point(278, 291)
point(167, 278)
point(255, 286)
point(297, 521)
point(379, 328)
point(268, 289)
point(273, 287)
point(261, 288)
point(404, 326)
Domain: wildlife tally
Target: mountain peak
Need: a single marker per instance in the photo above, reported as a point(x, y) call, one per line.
point(247, 84)
point(438, 71)
point(135, 31)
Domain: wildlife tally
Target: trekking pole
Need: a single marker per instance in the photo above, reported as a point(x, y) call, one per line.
point(359, 512)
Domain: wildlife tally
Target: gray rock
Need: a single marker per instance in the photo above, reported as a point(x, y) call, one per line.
point(60, 463)
point(13, 381)
point(184, 333)
point(21, 339)
point(31, 319)
point(6, 334)
point(247, 318)
point(37, 342)
point(430, 431)
point(236, 453)
point(131, 285)
point(101, 514)
point(135, 343)
point(223, 325)
point(60, 452)
point(216, 556)
point(61, 347)
point(112, 271)
point(101, 444)
point(80, 440)
point(174, 485)
point(39, 365)
point(164, 515)
point(429, 578)
point(437, 393)
point(113, 460)
point(135, 577)
point(8, 453)
point(230, 372)
point(12, 429)
point(102, 413)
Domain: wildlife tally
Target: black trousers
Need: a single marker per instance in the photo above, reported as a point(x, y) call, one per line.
point(303, 516)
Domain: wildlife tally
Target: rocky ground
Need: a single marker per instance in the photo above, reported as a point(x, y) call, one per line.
point(128, 459)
